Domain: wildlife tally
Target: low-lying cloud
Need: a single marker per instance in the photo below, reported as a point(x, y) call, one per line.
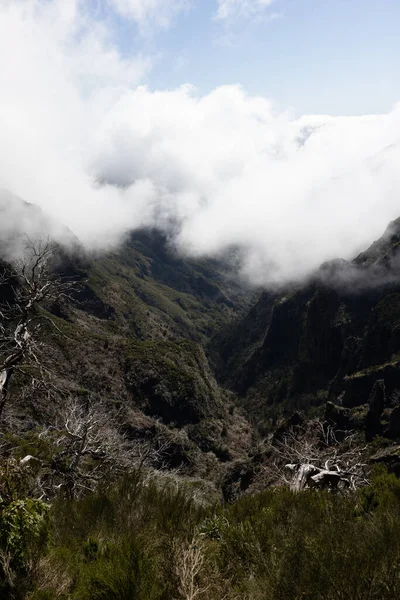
point(82, 138)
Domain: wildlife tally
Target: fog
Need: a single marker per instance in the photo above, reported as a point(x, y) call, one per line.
point(82, 137)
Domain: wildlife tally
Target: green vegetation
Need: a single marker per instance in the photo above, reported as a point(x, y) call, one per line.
point(91, 506)
point(152, 541)
point(172, 380)
point(158, 295)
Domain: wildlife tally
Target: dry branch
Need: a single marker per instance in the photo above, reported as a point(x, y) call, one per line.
point(312, 457)
point(22, 321)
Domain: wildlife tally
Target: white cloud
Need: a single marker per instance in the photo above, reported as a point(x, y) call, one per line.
point(232, 10)
point(150, 14)
point(80, 139)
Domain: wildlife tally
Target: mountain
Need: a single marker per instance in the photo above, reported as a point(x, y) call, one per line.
point(131, 337)
point(326, 346)
point(182, 353)
point(156, 411)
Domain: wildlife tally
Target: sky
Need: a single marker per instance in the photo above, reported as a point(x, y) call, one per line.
point(273, 125)
point(337, 57)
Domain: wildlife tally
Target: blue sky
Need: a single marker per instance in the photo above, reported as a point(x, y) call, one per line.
point(318, 56)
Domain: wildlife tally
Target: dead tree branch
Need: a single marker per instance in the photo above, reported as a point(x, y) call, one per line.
point(312, 457)
point(89, 448)
point(21, 322)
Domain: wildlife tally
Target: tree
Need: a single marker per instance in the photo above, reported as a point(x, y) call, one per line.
point(88, 448)
point(35, 285)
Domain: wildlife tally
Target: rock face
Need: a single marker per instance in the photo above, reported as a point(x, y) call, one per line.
point(335, 338)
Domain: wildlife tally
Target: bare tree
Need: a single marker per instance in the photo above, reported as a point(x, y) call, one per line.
point(21, 320)
point(312, 457)
point(89, 448)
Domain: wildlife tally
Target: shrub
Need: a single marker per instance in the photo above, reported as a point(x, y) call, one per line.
point(22, 532)
point(150, 540)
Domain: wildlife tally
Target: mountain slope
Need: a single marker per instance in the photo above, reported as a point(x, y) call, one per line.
point(156, 294)
point(144, 322)
point(332, 338)
point(130, 340)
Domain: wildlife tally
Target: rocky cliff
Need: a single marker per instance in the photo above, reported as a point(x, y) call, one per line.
point(326, 346)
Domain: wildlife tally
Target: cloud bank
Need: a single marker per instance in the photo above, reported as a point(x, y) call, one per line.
point(83, 138)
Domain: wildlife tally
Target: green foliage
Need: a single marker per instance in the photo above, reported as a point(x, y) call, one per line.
point(23, 533)
point(21, 521)
point(380, 442)
point(30, 444)
point(383, 494)
point(172, 380)
point(117, 544)
point(160, 296)
point(127, 573)
point(213, 526)
point(281, 545)
point(130, 541)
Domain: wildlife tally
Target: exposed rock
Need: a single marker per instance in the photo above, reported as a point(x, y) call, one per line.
point(376, 401)
point(332, 338)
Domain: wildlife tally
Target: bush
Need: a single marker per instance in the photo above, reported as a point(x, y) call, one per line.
point(22, 533)
point(152, 541)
